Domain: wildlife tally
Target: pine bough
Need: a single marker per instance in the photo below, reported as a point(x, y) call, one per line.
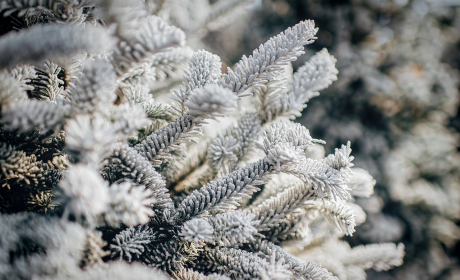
point(96, 173)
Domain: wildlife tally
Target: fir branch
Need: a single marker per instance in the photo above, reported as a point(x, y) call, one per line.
point(272, 100)
point(286, 132)
point(131, 243)
point(294, 230)
point(129, 204)
point(128, 163)
point(276, 185)
point(224, 193)
point(316, 74)
point(273, 211)
point(24, 74)
point(48, 85)
point(17, 167)
point(93, 252)
point(129, 118)
point(152, 36)
point(208, 102)
point(361, 183)
point(204, 69)
point(224, 13)
point(169, 62)
point(326, 181)
point(89, 140)
point(158, 145)
point(338, 213)
point(139, 95)
point(309, 271)
point(33, 114)
point(85, 193)
point(234, 228)
point(341, 160)
point(95, 88)
point(245, 132)
point(261, 66)
point(189, 274)
point(28, 46)
point(11, 89)
point(197, 230)
point(381, 256)
point(171, 255)
point(221, 152)
point(66, 11)
point(240, 264)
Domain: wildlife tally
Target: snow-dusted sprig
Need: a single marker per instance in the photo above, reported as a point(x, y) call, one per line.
point(189, 274)
point(246, 132)
point(131, 243)
point(338, 213)
point(129, 204)
point(211, 101)
point(126, 162)
point(28, 46)
point(152, 36)
point(222, 151)
point(271, 99)
point(208, 102)
point(224, 13)
point(30, 114)
point(286, 132)
point(64, 11)
point(139, 96)
point(16, 166)
point(234, 228)
point(197, 230)
point(171, 255)
point(293, 231)
point(279, 98)
point(316, 74)
point(341, 160)
point(284, 154)
point(361, 183)
point(277, 184)
point(204, 68)
point(269, 58)
point(227, 192)
point(273, 211)
point(85, 193)
point(380, 257)
point(168, 62)
point(11, 89)
point(326, 181)
point(229, 149)
point(224, 193)
point(309, 271)
point(24, 75)
point(72, 68)
point(48, 85)
point(95, 88)
point(239, 264)
point(129, 118)
point(122, 15)
point(89, 139)
point(93, 252)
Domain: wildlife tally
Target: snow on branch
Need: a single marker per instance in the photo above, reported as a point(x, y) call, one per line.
point(269, 58)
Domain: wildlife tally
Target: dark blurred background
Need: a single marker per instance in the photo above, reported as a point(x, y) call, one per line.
point(396, 100)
